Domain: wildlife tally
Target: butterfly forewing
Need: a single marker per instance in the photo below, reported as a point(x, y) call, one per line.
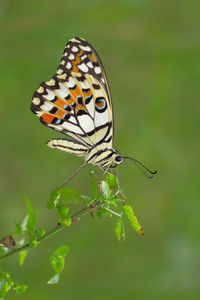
point(76, 101)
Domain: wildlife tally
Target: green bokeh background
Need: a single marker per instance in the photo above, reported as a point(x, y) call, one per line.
point(151, 53)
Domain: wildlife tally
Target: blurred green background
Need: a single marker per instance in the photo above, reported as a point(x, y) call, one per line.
point(151, 53)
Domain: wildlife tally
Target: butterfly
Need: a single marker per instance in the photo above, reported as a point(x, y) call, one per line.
point(77, 102)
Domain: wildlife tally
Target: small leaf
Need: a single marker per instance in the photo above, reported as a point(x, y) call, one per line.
point(40, 232)
point(21, 241)
point(18, 229)
point(70, 196)
point(105, 189)
point(54, 279)
point(22, 256)
point(21, 226)
point(29, 207)
point(128, 211)
point(54, 198)
point(65, 221)
point(24, 223)
point(103, 212)
point(57, 259)
point(118, 229)
point(62, 251)
point(33, 243)
point(5, 283)
point(111, 180)
point(32, 215)
point(20, 288)
point(62, 210)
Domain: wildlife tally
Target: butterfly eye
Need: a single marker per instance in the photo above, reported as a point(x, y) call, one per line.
point(119, 159)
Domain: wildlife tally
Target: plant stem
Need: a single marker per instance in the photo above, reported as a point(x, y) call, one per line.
point(113, 212)
point(48, 234)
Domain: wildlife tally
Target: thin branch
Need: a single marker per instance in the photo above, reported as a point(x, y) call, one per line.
point(53, 231)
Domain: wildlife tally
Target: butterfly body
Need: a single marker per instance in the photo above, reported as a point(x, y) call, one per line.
point(104, 157)
point(77, 102)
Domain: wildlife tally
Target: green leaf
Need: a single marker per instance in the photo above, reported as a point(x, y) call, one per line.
point(29, 207)
point(33, 243)
point(62, 251)
point(40, 232)
point(54, 279)
point(24, 223)
point(111, 181)
point(22, 256)
point(21, 241)
point(32, 215)
point(103, 212)
point(65, 221)
point(118, 229)
point(62, 210)
point(70, 196)
point(18, 229)
point(5, 283)
point(105, 189)
point(20, 288)
point(54, 198)
point(21, 226)
point(3, 290)
point(128, 211)
point(57, 259)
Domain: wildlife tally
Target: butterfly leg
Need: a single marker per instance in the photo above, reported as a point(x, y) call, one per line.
point(68, 179)
point(117, 187)
point(106, 171)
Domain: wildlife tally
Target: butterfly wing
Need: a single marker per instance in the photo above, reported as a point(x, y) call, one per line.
point(77, 101)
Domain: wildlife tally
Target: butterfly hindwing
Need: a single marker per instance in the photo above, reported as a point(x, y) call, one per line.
point(67, 146)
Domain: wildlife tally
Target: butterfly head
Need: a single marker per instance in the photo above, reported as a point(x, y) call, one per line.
point(117, 159)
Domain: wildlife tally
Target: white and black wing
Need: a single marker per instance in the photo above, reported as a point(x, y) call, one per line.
point(77, 101)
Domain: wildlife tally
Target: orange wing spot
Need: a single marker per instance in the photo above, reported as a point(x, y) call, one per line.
point(86, 94)
point(100, 103)
point(70, 101)
point(60, 102)
point(92, 57)
point(75, 93)
point(60, 113)
point(47, 118)
point(80, 107)
point(76, 62)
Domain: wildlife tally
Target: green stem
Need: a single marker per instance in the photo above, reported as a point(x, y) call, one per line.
point(47, 235)
point(113, 212)
point(14, 251)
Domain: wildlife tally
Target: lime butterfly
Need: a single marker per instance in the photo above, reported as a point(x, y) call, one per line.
point(77, 102)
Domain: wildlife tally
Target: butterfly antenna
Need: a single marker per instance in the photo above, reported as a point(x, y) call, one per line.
point(139, 164)
point(68, 179)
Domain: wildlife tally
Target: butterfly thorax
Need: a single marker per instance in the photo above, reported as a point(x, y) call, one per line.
point(104, 157)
